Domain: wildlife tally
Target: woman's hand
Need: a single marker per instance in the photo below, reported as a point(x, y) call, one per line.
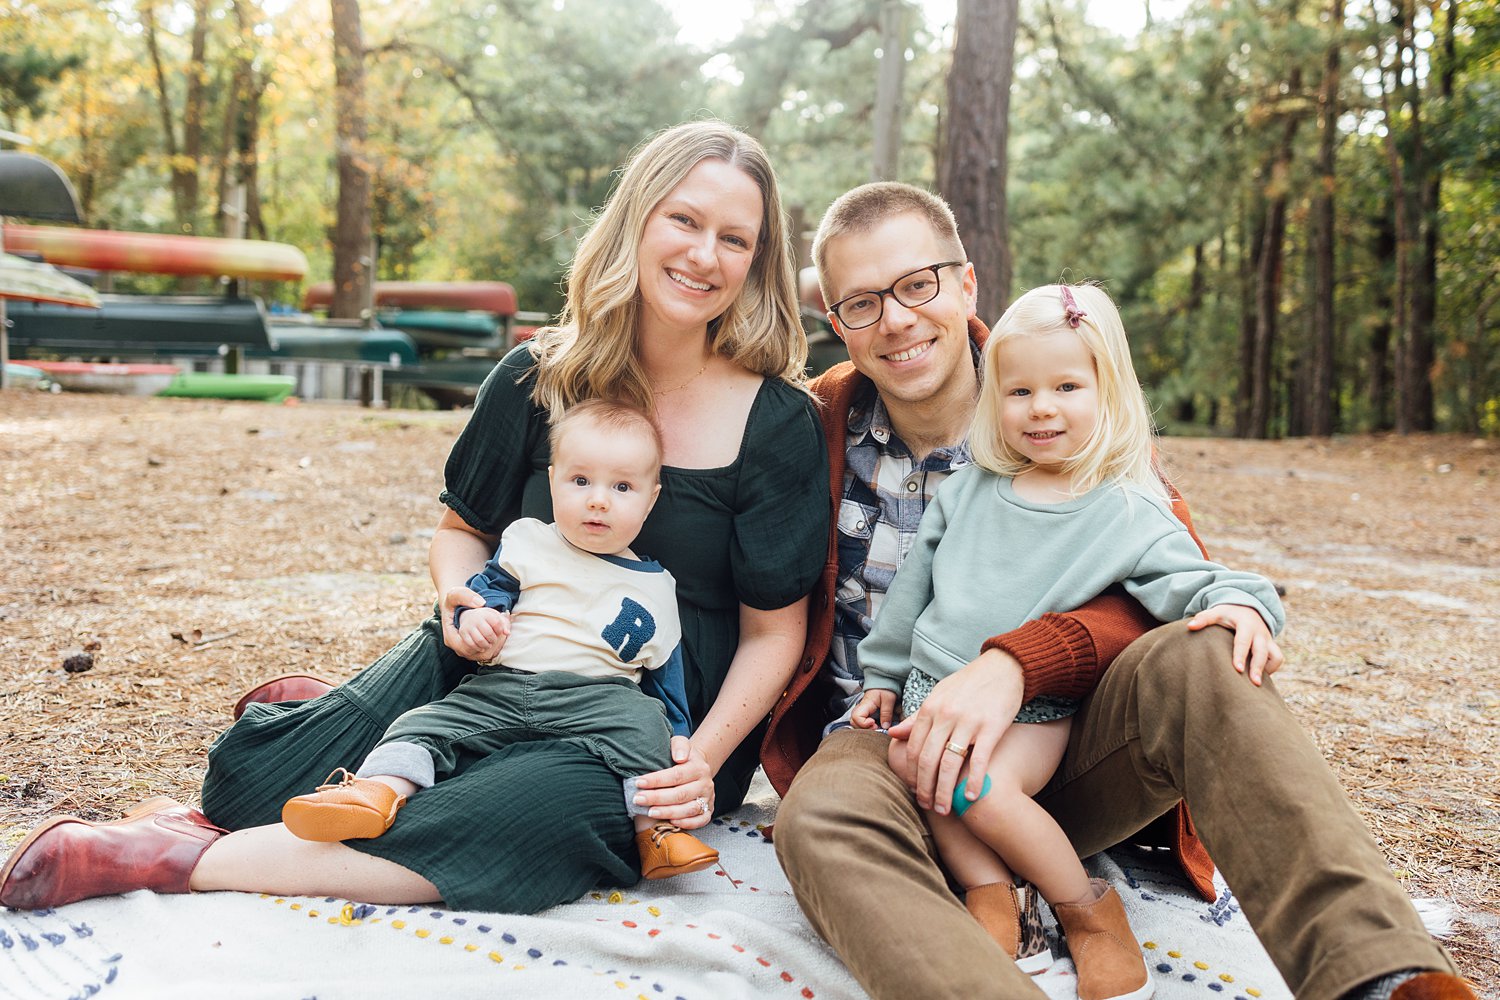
point(465, 642)
point(1255, 653)
point(457, 552)
point(682, 793)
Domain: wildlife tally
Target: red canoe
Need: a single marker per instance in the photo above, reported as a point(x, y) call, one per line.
point(131, 380)
point(486, 296)
point(158, 253)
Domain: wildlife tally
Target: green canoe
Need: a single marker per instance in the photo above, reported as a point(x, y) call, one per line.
point(211, 385)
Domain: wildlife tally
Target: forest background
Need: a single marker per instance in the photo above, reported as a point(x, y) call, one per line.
point(1293, 201)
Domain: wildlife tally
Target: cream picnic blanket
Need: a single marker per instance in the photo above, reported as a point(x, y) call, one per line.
point(696, 937)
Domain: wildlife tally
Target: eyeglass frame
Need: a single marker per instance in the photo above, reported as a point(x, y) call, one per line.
point(937, 280)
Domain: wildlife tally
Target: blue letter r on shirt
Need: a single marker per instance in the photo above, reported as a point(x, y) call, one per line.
point(632, 628)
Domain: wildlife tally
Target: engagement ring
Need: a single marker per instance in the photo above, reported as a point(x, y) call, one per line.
point(702, 804)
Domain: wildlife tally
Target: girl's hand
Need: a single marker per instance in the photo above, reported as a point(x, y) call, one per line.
point(453, 637)
point(682, 793)
point(876, 710)
point(1255, 652)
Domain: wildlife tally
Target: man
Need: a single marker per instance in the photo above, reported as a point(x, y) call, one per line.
point(1169, 727)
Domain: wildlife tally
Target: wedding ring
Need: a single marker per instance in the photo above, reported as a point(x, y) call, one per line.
point(961, 749)
point(702, 804)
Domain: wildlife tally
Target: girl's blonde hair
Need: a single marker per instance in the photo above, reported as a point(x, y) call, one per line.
point(1121, 447)
point(591, 351)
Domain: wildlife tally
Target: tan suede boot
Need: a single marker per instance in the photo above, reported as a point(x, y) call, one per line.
point(1009, 914)
point(1110, 966)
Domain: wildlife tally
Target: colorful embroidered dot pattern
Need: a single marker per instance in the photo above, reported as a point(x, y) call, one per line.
point(1191, 972)
point(351, 914)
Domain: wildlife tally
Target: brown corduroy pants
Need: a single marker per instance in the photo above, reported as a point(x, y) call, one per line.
point(1170, 721)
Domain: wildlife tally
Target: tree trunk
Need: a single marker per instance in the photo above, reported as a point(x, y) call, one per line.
point(974, 154)
point(1323, 391)
point(1268, 271)
point(1421, 346)
point(185, 173)
point(888, 90)
point(1416, 174)
point(1380, 380)
point(182, 159)
point(1253, 233)
point(240, 144)
point(351, 240)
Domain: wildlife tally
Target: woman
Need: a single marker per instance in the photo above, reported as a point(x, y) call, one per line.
point(681, 299)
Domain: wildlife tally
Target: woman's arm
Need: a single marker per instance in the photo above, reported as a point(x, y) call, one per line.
point(457, 552)
point(770, 642)
point(764, 661)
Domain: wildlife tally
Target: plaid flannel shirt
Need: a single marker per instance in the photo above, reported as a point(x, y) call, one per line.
point(885, 492)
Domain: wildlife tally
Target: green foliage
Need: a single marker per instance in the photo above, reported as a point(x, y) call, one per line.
point(25, 74)
point(495, 128)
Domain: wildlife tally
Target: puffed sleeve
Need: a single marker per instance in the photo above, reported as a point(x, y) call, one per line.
point(781, 525)
point(492, 459)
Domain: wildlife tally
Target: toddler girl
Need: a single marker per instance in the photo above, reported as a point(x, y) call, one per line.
point(1064, 501)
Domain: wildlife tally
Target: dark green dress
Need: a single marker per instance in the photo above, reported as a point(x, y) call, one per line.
point(542, 823)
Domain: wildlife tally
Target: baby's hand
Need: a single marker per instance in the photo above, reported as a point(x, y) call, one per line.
point(875, 709)
point(486, 629)
point(1255, 652)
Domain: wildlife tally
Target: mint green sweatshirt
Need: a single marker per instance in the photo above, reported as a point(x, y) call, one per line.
point(986, 561)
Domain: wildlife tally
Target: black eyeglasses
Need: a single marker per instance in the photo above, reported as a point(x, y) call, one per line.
point(913, 289)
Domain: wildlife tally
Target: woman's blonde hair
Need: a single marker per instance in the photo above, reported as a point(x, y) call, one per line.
point(591, 351)
point(1121, 447)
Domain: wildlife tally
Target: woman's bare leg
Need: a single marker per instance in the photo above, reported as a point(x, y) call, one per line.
point(271, 859)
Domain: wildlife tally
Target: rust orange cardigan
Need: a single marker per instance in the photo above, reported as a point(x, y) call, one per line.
point(1060, 654)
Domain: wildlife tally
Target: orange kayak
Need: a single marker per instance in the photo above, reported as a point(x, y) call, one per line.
point(158, 253)
point(486, 296)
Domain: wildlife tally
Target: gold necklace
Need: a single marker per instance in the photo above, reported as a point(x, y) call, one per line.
point(684, 385)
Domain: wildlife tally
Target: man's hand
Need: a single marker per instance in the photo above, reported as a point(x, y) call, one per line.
point(1255, 652)
point(970, 708)
point(876, 709)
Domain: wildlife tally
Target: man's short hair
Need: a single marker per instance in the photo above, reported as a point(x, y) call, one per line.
point(865, 207)
point(609, 415)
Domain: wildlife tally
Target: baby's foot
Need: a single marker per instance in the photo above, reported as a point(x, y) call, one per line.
point(667, 851)
point(349, 809)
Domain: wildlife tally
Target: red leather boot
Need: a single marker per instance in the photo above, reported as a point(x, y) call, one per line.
point(286, 687)
point(155, 846)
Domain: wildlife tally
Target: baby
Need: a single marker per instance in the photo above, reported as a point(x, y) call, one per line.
point(583, 623)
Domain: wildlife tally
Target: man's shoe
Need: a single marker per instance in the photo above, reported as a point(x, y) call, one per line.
point(1009, 914)
point(286, 687)
point(155, 846)
point(667, 851)
point(1434, 986)
point(348, 809)
point(1104, 949)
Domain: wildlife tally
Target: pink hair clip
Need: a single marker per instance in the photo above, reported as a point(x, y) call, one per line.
point(1071, 313)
